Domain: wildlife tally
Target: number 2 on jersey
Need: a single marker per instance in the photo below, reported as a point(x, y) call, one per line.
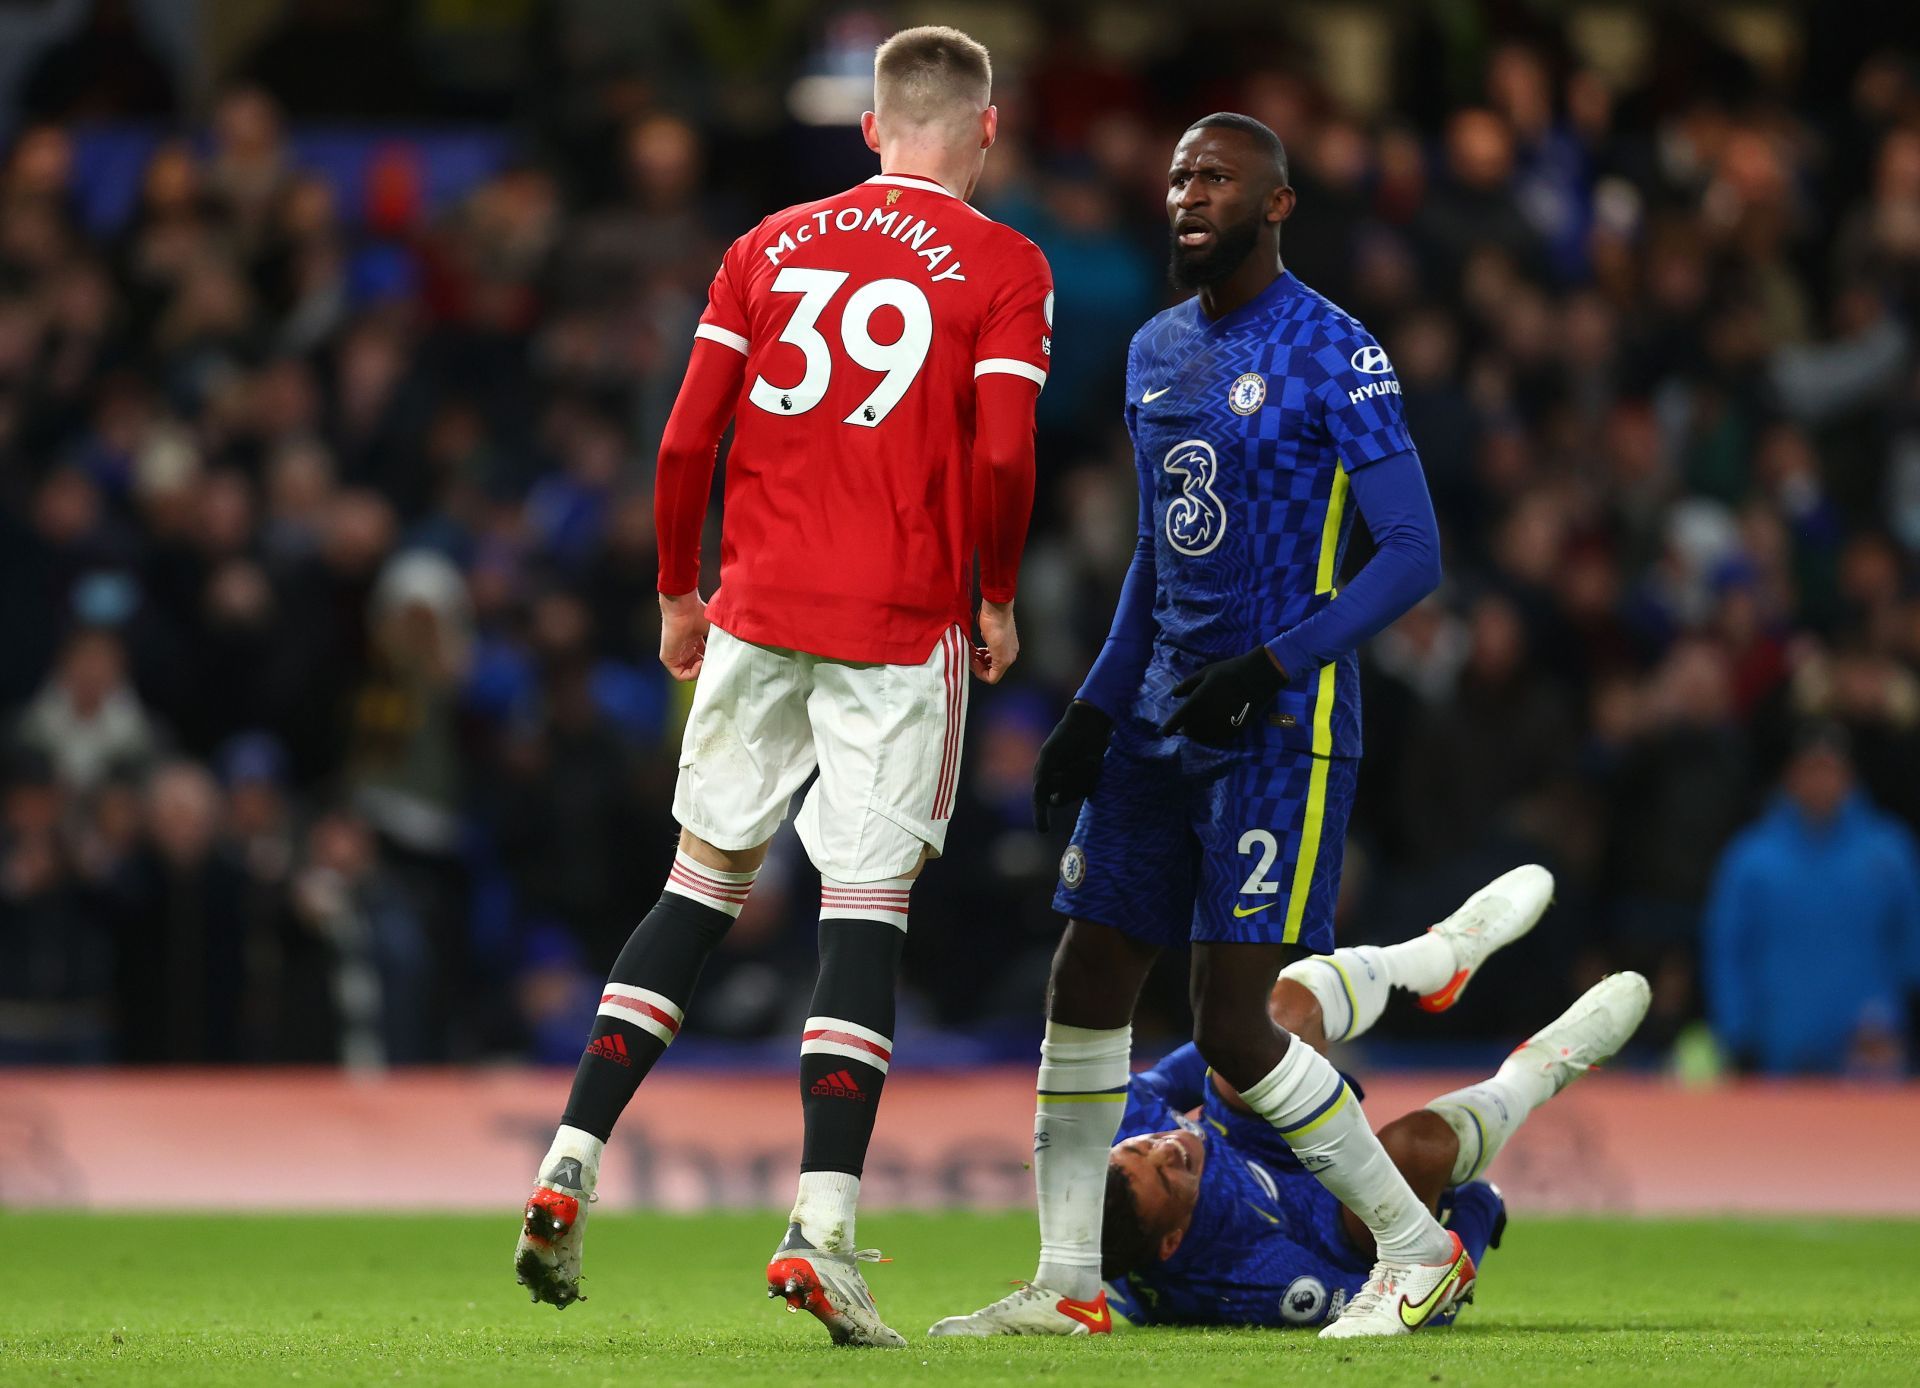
point(899, 361)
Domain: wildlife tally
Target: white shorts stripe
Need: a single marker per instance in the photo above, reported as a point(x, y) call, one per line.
point(1005, 366)
point(957, 717)
point(714, 333)
point(951, 656)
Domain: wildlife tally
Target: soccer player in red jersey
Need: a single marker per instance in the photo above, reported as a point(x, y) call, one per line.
point(879, 354)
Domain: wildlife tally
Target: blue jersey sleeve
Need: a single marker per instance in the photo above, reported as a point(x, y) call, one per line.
point(1180, 1079)
point(1121, 665)
point(1157, 1098)
point(1359, 396)
point(1392, 499)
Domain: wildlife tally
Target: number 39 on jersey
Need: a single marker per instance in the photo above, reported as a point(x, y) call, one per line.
point(899, 361)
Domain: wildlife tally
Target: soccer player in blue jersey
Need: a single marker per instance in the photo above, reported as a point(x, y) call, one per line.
point(1217, 736)
point(1210, 1219)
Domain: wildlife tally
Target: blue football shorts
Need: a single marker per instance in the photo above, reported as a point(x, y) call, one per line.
point(1183, 842)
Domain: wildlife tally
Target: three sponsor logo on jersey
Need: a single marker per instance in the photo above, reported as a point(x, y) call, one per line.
point(1197, 519)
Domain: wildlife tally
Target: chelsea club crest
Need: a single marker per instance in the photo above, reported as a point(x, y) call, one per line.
point(1247, 393)
point(1073, 867)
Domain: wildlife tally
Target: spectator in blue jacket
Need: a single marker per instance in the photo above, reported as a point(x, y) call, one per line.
point(1813, 926)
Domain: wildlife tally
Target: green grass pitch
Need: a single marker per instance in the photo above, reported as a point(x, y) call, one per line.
point(373, 1299)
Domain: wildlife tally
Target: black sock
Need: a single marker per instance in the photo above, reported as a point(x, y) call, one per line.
point(848, 1041)
point(647, 992)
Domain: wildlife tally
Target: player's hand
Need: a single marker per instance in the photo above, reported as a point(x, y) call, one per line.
point(990, 661)
point(1221, 697)
point(1069, 761)
point(683, 635)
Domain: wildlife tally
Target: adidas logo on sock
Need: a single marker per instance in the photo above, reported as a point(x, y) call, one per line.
point(566, 1172)
point(612, 1046)
point(839, 1085)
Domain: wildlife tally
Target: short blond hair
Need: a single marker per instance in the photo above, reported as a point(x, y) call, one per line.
point(931, 75)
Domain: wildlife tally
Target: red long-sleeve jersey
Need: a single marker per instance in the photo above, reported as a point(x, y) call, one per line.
point(879, 353)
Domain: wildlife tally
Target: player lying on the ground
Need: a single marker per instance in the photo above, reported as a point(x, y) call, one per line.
point(1210, 1219)
point(1349, 988)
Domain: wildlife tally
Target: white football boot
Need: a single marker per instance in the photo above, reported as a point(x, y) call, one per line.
point(1399, 1298)
point(553, 1230)
point(1032, 1310)
point(1600, 1022)
point(830, 1287)
point(1492, 918)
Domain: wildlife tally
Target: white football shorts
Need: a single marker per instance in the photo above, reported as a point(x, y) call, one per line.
point(885, 738)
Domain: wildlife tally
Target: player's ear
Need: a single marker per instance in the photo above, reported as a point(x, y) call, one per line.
point(1169, 1242)
point(989, 126)
point(870, 130)
point(1279, 204)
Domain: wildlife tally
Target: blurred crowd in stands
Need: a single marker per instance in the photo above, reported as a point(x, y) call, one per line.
point(333, 727)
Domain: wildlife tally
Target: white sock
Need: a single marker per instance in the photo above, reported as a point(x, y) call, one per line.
point(1484, 1115)
point(1421, 965)
point(1318, 1116)
point(578, 1145)
point(1082, 1093)
point(824, 1209)
point(1350, 985)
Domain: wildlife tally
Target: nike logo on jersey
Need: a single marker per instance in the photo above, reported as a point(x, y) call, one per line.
point(1154, 395)
point(1242, 912)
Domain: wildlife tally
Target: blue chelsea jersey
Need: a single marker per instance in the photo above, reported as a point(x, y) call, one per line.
point(1260, 1241)
point(1245, 431)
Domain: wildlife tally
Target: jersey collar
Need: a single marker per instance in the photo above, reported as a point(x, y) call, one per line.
point(909, 181)
point(1284, 286)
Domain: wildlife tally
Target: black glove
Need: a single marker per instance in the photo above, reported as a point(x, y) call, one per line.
point(1069, 761)
point(1221, 697)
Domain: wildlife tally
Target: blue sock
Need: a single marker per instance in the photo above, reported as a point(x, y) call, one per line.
point(1476, 1213)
